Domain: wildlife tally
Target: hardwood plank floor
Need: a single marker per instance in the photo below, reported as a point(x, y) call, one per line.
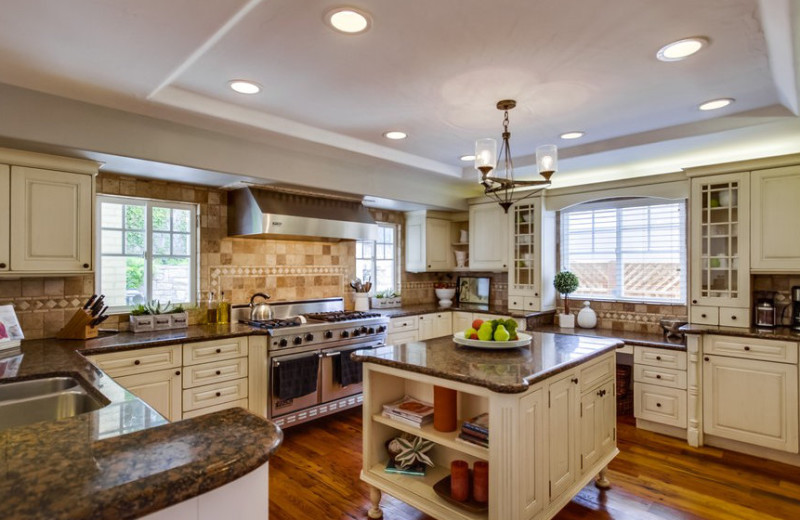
point(314, 475)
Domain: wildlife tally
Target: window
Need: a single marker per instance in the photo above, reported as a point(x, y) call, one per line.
point(631, 249)
point(147, 251)
point(377, 260)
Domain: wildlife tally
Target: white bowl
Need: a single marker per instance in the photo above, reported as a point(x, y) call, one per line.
point(446, 293)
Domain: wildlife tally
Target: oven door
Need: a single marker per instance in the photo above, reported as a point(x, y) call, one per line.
point(330, 385)
point(287, 392)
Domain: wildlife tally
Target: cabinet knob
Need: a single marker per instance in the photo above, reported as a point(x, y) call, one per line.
point(219, 394)
point(137, 362)
point(536, 294)
point(658, 405)
point(658, 358)
point(694, 301)
point(702, 315)
point(658, 376)
point(706, 358)
point(747, 348)
point(219, 351)
point(86, 266)
point(504, 265)
point(177, 372)
point(219, 372)
point(574, 380)
point(429, 266)
point(2, 265)
point(733, 317)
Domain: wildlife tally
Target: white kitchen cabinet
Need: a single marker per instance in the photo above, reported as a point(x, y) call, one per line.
point(598, 420)
point(461, 321)
point(659, 391)
point(160, 389)
point(562, 413)
point(398, 338)
point(533, 489)
point(751, 401)
point(531, 255)
point(488, 237)
point(5, 217)
point(775, 243)
point(427, 243)
point(720, 242)
point(51, 220)
point(434, 325)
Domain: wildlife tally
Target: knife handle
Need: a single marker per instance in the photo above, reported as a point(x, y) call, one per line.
point(90, 301)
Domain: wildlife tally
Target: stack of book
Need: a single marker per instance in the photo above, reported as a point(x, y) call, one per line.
point(409, 411)
point(476, 430)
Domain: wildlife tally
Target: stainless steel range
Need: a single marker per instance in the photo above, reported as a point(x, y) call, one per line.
point(309, 369)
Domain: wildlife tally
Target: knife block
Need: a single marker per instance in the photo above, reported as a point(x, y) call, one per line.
point(78, 327)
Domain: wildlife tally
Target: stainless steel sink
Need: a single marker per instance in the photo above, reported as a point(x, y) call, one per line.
point(46, 399)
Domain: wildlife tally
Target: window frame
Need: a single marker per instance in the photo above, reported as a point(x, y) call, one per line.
point(619, 204)
point(148, 204)
point(395, 260)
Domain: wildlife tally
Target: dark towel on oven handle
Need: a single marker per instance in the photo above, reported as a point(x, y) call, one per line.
point(345, 370)
point(296, 377)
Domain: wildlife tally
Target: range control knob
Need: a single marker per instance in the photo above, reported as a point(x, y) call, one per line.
point(283, 342)
point(370, 331)
point(363, 330)
point(381, 329)
point(297, 340)
point(309, 337)
point(345, 334)
point(356, 332)
point(328, 334)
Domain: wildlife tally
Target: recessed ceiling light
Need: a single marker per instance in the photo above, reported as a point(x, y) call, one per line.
point(681, 49)
point(395, 134)
point(572, 135)
point(467, 158)
point(714, 104)
point(244, 87)
point(348, 20)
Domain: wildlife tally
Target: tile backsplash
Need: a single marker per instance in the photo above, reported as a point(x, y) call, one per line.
point(624, 316)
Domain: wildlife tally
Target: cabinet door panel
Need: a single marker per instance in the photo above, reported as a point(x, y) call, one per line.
point(776, 245)
point(562, 424)
point(5, 224)
point(488, 231)
point(532, 479)
point(751, 401)
point(415, 243)
point(443, 324)
point(437, 244)
point(161, 390)
point(427, 326)
point(51, 220)
point(461, 321)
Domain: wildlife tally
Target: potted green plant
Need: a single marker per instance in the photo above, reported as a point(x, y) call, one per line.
point(155, 316)
point(566, 283)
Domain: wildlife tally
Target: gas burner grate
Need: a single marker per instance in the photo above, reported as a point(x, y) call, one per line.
point(274, 324)
point(333, 316)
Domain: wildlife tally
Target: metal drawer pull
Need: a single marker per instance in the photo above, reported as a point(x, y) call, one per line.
point(137, 362)
point(658, 358)
point(658, 405)
point(747, 348)
point(219, 351)
point(219, 394)
point(658, 376)
point(177, 372)
point(219, 372)
point(574, 380)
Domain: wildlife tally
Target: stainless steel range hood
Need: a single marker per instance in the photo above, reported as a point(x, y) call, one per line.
point(255, 212)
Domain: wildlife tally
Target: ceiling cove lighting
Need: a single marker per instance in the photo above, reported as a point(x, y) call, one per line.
point(348, 20)
point(572, 135)
point(467, 158)
point(395, 135)
point(681, 49)
point(715, 104)
point(501, 187)
point(244, 87)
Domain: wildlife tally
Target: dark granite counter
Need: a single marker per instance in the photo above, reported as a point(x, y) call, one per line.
point(779, 333)
point(629, 338)
point(124, 460)
point(505, 371)
point(426, 308)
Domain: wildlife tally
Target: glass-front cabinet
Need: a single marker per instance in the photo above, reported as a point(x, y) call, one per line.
point(720, 274)
point(530, 273)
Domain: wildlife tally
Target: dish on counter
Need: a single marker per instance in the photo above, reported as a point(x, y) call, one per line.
point(523, 341)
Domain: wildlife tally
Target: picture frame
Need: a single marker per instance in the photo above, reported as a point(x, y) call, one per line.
point(474, 289)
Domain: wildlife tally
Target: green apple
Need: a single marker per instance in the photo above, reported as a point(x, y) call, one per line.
point(485, 332)
point(501, 334)
point(470, 332)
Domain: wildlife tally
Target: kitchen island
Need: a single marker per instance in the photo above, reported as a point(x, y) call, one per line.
point(552, 417)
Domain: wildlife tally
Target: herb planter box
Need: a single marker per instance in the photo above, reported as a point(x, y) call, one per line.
point(150, 322)
point(386, 303)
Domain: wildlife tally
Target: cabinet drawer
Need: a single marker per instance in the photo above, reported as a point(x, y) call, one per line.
point(532, 303)
point(516, 303)
point(660, 404)
point(732, 317)
point(403, 324)
point(597, 372)
point(241, 403)
point(658, 357)
point(704, 315)
point(207, 351)
point(216, 372)
point(660, 376)
point(751, 348)
point(398, 338)
point(212, 395)
point(138, 361)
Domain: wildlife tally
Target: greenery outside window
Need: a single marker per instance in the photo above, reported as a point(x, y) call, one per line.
point(377, 260)
point(147, 250)
point(627, 249)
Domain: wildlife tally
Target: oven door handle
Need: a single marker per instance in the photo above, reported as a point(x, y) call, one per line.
point(276, 362)
point(332, 354)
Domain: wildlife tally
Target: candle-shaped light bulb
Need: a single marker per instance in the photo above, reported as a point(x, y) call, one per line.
point(547, 160)
point(485, 155)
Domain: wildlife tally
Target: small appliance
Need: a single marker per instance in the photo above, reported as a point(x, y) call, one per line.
point(765, 313)
point(796, 307)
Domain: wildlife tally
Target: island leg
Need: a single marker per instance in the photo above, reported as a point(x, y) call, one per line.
point(602, 481)
point(375, 498)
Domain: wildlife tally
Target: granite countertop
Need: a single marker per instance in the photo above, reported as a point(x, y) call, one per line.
point(124, 460)
point(629, 338)
point(427, 308)
point(778, 333)
point(505, 371)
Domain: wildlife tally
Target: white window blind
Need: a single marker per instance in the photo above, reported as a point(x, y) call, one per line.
point(631, 249)
point(377, 260)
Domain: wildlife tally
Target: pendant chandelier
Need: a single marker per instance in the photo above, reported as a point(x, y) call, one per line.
point(502, 187)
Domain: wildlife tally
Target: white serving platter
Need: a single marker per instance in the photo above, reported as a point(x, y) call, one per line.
point(523, 341)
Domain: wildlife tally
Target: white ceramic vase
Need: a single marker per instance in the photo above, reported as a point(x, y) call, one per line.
point(587, 318)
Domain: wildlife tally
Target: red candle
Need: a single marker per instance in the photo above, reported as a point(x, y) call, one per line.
point(445, 413)
point(480, 481)
point(459, 480)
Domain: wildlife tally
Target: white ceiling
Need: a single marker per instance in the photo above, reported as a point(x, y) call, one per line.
point(434, 69)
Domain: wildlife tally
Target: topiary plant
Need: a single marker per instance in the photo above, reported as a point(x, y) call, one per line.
point(566, 283)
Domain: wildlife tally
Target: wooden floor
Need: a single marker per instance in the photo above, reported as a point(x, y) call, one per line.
point(314, 475)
